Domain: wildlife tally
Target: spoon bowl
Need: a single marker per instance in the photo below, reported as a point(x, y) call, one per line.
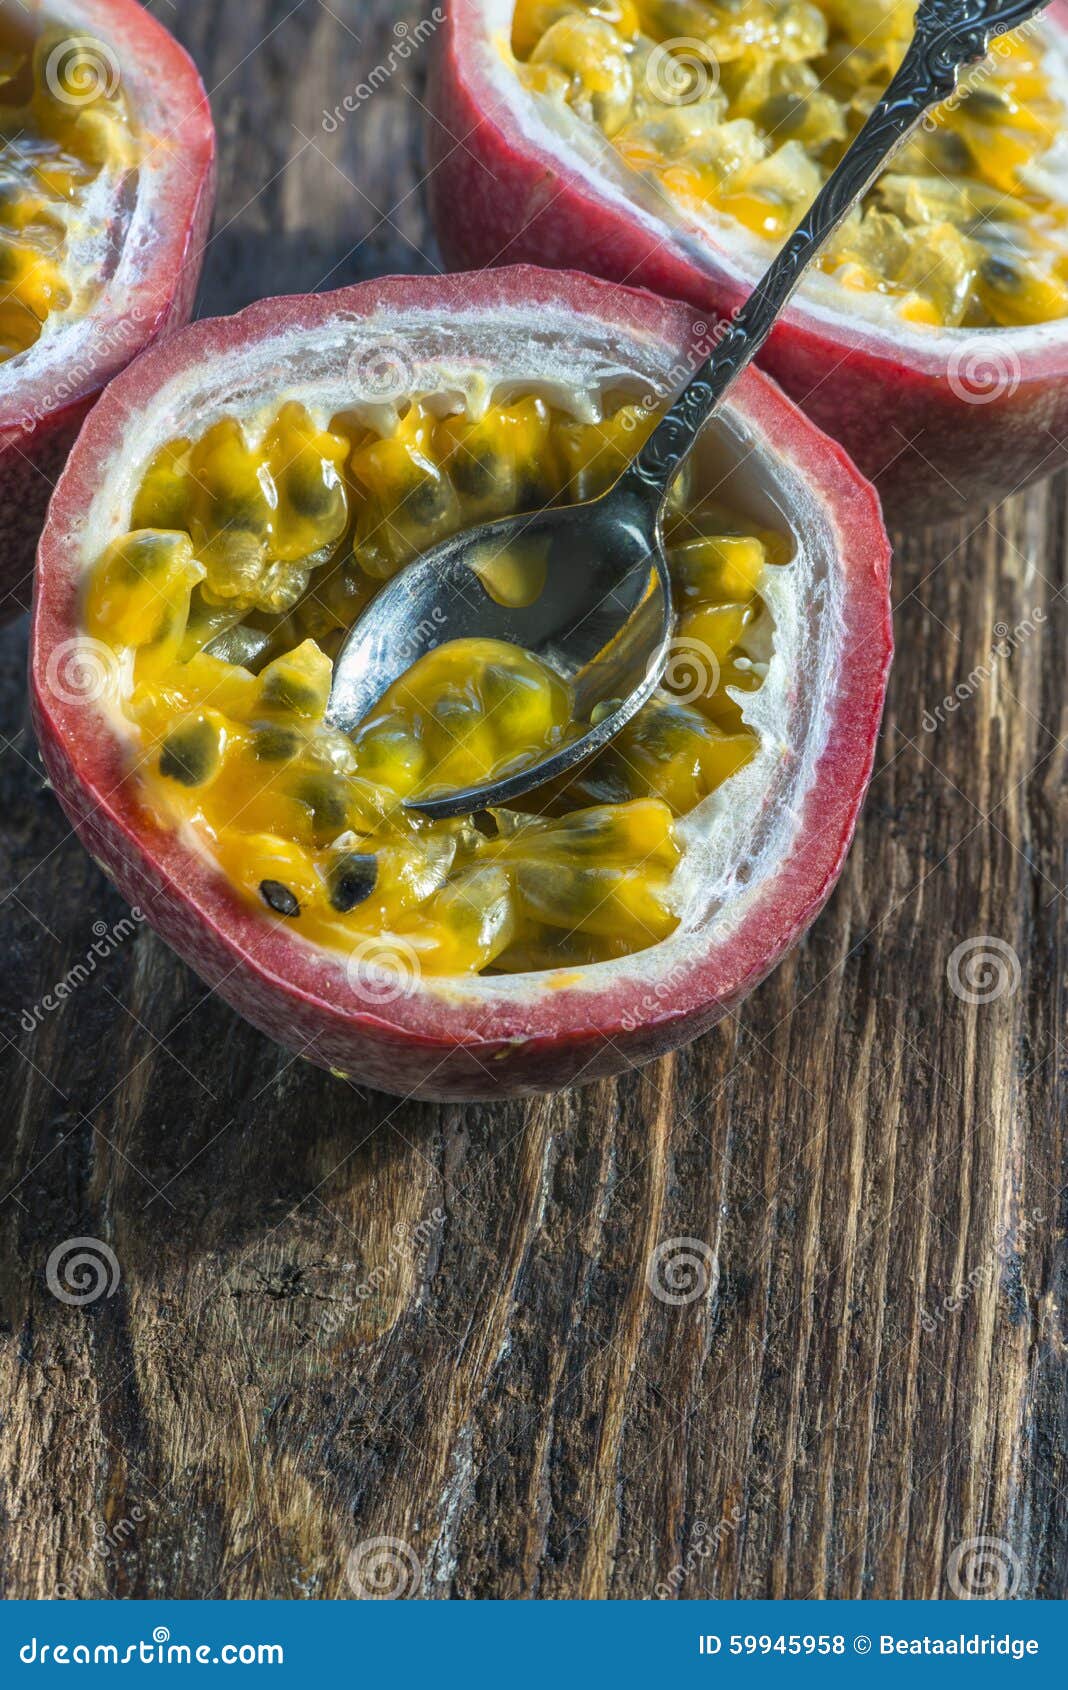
point(583, 587)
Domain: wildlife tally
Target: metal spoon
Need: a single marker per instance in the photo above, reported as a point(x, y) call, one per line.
point(603, 617)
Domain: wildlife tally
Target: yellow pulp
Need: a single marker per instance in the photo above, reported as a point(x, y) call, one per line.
point(741, 108)
point(248, 559)
point(63, 120)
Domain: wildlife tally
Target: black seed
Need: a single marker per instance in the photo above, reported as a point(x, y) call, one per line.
point(288, 692)
point(783, 112)
point(1001, 274)
point(352, 879)
point(532, 492)
point(476, 471)
point(986, 103)
point(239, 517)
point(308, 488)
point(279, 898)
point(275, 745)
point(191, 753)
point(426, 501)
point(951, 150)
point(326, 799)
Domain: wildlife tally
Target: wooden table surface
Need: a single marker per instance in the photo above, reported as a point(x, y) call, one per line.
point(340, 1318)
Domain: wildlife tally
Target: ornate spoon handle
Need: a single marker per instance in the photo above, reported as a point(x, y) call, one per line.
point(949, 34)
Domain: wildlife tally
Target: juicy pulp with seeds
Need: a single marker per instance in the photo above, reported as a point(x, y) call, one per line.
point(741, 876)
point(105, 195)
point(675, 142)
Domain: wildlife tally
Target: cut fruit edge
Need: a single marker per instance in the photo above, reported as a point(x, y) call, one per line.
point(155, 279)
point(496, 117)
point(645, 1002)
point(942, 420)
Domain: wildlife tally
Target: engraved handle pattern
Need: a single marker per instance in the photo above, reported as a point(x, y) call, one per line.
point(949, 35)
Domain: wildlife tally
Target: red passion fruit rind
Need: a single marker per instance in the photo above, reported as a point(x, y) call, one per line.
point(150, 222)
point(761, 853)
point(941, 419)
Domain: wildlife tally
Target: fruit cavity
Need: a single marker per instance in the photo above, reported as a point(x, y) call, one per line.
point(738, 110)
point(64, 125)
point(251, 551)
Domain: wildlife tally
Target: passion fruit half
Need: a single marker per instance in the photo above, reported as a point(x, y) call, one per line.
point(106, 187)
point(674, 143)
point(232, 502)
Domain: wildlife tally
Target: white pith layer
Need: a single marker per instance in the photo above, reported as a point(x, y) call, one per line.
point(110, 237)
point(580, 152)
point(738, 838)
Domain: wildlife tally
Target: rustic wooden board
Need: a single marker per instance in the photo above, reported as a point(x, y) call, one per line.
point(341, 1317)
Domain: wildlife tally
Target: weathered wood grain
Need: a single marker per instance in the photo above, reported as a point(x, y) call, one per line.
point(342, 1318)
